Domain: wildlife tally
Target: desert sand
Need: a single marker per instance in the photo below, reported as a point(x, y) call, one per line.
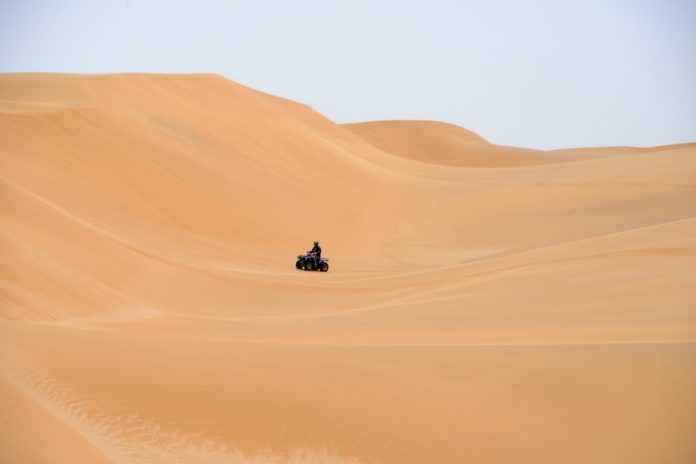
point(485, 304)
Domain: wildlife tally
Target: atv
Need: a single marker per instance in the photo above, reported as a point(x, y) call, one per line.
point(309, 263)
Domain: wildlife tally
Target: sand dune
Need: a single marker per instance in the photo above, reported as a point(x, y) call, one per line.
point(449, 145)
point(485, 303)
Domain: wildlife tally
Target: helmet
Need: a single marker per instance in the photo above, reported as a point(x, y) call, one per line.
point(316, 243)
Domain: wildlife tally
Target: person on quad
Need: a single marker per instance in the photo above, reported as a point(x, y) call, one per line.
point(315, 253)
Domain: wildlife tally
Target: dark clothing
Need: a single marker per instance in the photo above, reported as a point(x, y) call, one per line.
point(315, 254)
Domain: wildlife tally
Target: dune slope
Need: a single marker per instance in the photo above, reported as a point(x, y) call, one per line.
point(484, 304)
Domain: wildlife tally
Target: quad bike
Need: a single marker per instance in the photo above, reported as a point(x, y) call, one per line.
point(309, 263)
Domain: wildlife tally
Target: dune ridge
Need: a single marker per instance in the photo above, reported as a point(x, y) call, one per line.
point(450, 145)
point(485, 303)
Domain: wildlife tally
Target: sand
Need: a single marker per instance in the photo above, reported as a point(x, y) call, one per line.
point(485, 304)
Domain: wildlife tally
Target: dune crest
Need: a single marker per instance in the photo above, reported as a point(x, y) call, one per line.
point(484, 303)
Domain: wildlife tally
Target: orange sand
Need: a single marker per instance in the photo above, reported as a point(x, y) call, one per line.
point(486, 304)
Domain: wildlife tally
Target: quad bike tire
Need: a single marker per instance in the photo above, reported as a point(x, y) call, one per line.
point(299, 264)
point(324, 267)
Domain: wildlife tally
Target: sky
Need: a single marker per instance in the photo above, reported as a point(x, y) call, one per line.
point(541, 74)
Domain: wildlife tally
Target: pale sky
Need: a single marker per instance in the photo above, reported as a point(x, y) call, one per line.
point(541, 74)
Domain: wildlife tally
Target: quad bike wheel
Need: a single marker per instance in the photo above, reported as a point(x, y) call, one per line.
point(299, 264)
point(324, 267)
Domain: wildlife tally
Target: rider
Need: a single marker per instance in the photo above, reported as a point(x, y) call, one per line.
point(316, 253)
